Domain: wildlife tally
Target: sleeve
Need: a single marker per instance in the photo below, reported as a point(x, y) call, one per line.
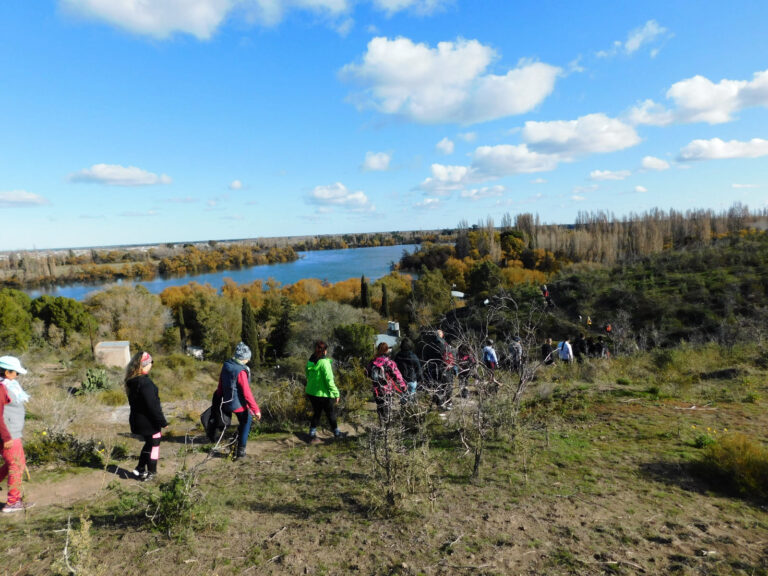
point(327, 370)
point(4, 432)
point(398, 377)
point(152, 402)
point(250, 401)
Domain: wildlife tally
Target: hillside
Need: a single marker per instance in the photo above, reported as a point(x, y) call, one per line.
point(601, 474)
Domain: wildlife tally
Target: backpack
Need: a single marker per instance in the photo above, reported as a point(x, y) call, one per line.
point(379, 377)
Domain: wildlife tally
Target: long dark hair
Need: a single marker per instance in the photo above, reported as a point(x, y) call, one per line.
point(133, 369)
point(320, 348)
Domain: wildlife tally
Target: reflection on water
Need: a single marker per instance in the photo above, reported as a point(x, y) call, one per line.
point(329, 265)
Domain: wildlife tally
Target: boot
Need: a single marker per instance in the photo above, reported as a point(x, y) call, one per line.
point(239, 453)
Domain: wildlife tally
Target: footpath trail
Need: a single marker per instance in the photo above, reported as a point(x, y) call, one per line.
point(70, 488)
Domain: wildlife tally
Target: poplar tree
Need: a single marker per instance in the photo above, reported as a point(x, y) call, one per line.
point(249, 333)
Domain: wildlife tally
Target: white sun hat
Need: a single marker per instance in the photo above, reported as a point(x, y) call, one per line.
point(12, 363)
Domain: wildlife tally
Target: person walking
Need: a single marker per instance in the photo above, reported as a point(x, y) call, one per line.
point(146, 417)
point(515, 354)
point(236, 395)
point(409, 366)
point(12, 416)
point(565, 351)
point(489, 355)
point(547, 352)
point(321, 391)
point(386, 380)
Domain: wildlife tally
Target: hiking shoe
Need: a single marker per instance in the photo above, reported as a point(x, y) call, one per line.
point(147, 477)
point(315, 440)
point(138, 475)
point(339, 435)
point(18, 506)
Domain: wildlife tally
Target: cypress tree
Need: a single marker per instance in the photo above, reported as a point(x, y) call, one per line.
point(365, 293)
point(249, 333)
point(384, 301)
point(182, 328)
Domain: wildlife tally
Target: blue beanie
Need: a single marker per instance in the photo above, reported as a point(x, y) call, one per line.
point(242, 352)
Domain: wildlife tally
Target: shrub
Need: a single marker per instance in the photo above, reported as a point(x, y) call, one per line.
point(739, 464)
point(172, 508)
point(49, 447)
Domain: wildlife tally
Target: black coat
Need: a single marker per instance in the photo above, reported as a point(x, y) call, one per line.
point(409, 365)
point(147, 416)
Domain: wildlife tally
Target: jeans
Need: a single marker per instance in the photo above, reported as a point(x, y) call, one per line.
point(244, 421)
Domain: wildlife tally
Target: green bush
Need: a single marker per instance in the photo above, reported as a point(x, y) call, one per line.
point(739, 464)
point(172, 508)
point(55, 447)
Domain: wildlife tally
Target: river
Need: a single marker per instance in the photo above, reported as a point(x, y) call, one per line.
point(330, 265)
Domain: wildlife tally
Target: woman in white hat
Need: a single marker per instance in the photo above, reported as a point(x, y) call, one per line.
point(12, 415)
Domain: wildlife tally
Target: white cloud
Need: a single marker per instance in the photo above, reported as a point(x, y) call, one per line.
point(578, 198)
point(236, 185)
point(202, 18)
point(468, 136)
point(650, 33)
point(337, 195)
point(18, 198)
point(591, 134)
point(538, 181)
point(116, 175)
point(739, 186)
point(698, 99)
point(445, 146)
point(376, 161)
point(506, 159)
point(641, 189)
point(158, 18)
point(446, 179)
point(418, 6)
point(717, 149)
point(653, 163)
point(650, 113)
point(609, 175)
point(482, 193)
point(448, 83)
point(428, 203)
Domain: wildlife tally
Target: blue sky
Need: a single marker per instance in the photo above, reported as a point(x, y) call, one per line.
point(137, 121)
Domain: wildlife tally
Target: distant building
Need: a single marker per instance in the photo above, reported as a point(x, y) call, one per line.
point(114, 353)
point(392, 337)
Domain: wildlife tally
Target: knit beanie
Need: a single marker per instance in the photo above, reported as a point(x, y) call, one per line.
point(242, 352)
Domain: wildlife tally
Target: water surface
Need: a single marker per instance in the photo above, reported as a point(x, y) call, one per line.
point(330, 265)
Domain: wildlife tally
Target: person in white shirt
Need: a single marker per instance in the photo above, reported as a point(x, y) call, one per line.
point(565, 351)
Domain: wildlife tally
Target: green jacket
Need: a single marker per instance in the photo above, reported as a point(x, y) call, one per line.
point(320, 379)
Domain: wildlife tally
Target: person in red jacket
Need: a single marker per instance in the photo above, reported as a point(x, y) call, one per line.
point(12, 415)
point(236, 395)
point(387, 381)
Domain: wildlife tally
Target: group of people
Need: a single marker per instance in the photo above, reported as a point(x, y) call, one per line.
point(434, 363)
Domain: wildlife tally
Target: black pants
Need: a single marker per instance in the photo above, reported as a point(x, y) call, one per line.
point(321, 404)
point(145, 458)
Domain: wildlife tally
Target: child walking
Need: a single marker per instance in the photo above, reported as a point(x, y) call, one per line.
point(12, 415)
point(147, 418)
